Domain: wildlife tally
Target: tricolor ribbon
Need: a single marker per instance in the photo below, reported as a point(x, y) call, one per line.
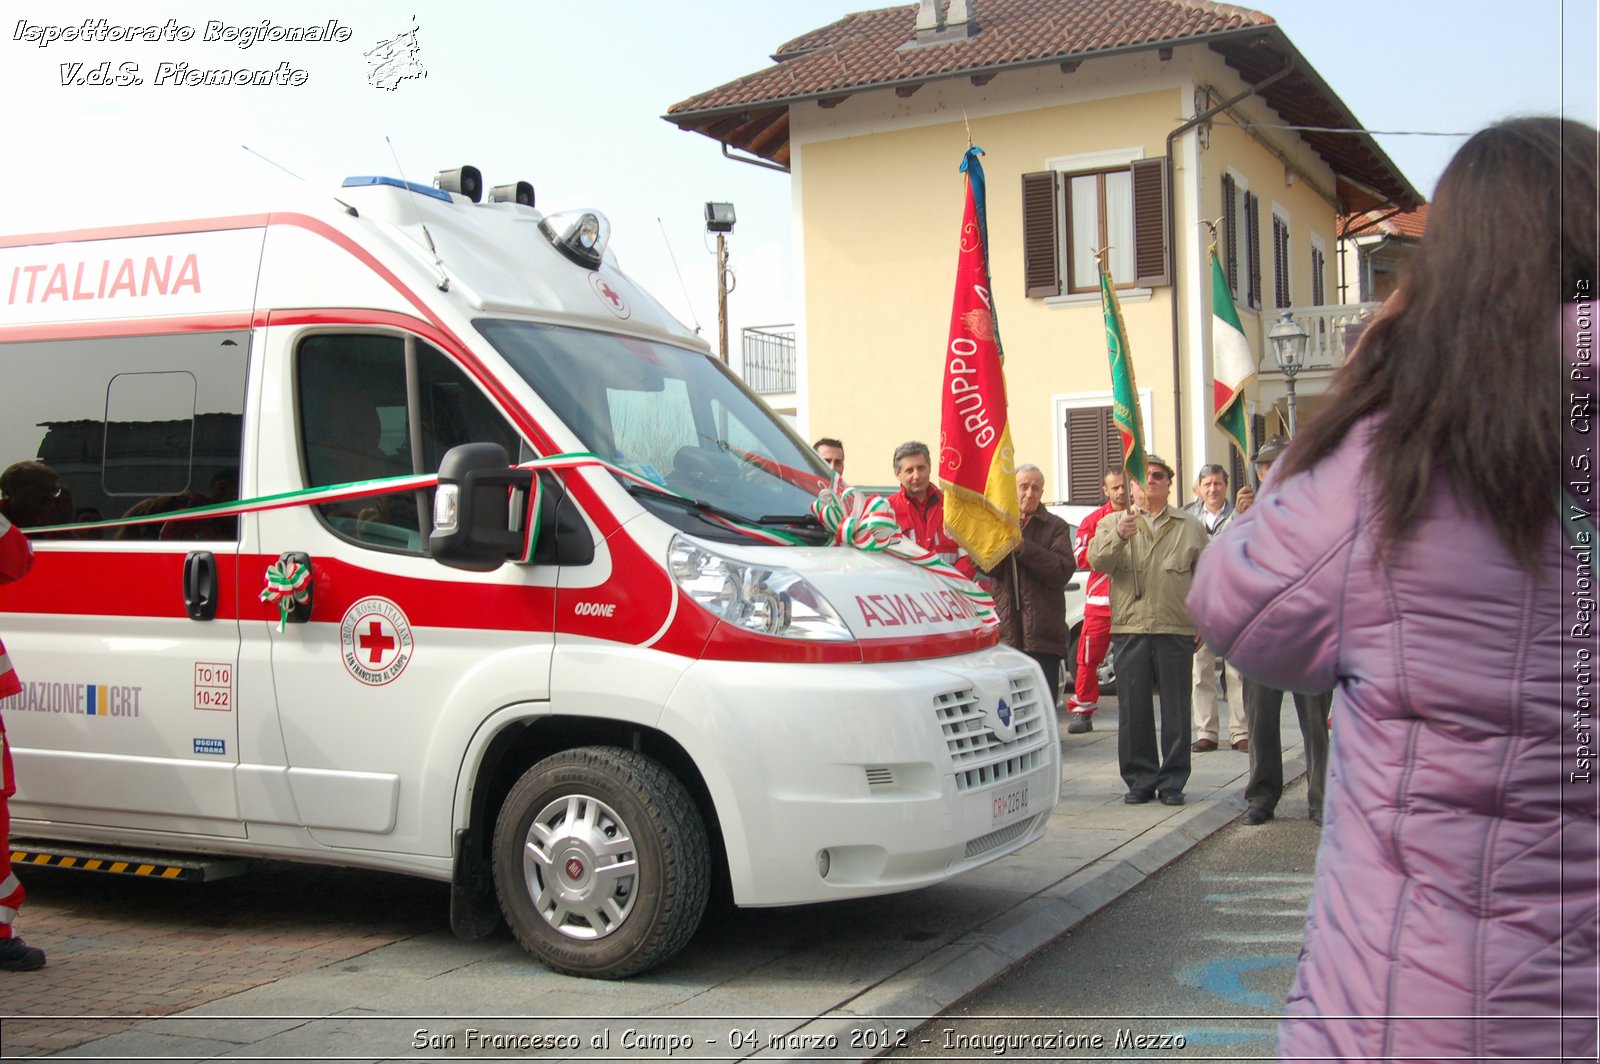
point(856, 518)
point(851, 516)
point(286, 583)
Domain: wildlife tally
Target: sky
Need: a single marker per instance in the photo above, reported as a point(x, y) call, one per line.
point(568, 94)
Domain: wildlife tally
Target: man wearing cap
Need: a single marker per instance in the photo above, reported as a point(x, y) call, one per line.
point(1150, 552)
point(1263, 712)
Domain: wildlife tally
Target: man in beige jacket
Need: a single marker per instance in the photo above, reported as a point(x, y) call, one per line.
point(1149, 552)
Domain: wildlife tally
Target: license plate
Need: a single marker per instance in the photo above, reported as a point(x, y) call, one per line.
point(1009, 803)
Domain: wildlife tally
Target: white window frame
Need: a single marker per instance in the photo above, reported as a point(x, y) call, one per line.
point(1066, 166)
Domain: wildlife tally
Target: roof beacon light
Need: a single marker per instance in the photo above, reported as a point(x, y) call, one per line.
point(579, 235)
point(466, 181)
point(521, 192)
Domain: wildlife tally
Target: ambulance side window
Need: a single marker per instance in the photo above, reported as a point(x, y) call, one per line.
point(356, 415)
point(131, 426)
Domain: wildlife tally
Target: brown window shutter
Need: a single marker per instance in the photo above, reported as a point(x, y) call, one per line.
point(1093, 446)
point(1280, 262)
point(1041, 247)
point(1252, 246)
point(1319, 287)
point(1236, 474)
point(1150, 265)
point(1230, 232)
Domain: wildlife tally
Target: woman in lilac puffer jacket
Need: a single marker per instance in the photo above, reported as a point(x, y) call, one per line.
point(1409, 553)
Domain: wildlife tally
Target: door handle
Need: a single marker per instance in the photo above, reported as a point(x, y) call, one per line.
point(200, 585)
point(300, 608)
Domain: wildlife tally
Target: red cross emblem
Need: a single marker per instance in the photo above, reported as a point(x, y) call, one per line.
point(375, 642)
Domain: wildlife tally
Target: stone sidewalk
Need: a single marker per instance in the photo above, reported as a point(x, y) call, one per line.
point(293, 963)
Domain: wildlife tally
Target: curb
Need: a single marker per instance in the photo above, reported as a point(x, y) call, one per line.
point(932, 985)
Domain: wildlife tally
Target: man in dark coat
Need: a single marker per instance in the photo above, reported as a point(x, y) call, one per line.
point(1030, 583)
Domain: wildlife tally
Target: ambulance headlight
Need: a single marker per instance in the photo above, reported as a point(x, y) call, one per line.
point(768, 599)
point(579, 235)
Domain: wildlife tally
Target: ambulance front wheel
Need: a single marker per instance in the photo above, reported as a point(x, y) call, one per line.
point(601, 862)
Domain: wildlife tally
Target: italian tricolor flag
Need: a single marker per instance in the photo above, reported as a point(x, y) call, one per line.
point(1232, 366)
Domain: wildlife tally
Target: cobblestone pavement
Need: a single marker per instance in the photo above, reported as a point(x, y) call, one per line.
point(125, 948)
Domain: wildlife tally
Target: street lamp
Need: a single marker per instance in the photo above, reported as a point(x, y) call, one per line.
point(719, 220)
point(1289, 349)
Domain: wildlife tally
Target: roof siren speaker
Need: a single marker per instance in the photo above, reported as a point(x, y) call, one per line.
point(465, 181)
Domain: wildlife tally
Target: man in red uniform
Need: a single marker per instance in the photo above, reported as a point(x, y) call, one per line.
point(16, 558)
point(1095, 636)
point(919, 506)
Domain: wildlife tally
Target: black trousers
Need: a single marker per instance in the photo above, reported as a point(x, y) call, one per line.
point(1051, 664)
point(1263, 720)
point(1147, 664)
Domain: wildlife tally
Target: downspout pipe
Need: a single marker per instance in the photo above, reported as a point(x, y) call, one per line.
point(1172, 249)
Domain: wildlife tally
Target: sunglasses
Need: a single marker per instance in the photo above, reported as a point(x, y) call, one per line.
point(1158, 474)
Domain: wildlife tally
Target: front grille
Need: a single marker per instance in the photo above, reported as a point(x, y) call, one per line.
point(982, 758)
point(880, 777)
point(998, 838)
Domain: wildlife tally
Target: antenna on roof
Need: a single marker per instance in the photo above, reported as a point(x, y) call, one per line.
point(444, 278)
point(679, 272)
point(264, 159)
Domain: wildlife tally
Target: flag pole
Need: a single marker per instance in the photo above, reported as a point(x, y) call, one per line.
point(1122, 382)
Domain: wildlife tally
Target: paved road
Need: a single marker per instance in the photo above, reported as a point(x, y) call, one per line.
point(1196, 962)
point(295, 962)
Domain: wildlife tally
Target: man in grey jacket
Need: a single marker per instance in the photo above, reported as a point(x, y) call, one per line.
point(1149, 552)
point(1211, 505)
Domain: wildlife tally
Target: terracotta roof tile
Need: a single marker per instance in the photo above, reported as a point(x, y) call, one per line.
point(872, 50)
point(865, 48)
point(1410, 224)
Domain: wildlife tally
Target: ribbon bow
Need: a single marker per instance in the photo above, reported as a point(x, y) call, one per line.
point(856, 518)
point(286, 584)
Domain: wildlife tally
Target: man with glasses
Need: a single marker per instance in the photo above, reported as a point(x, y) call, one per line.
point(1150, 552)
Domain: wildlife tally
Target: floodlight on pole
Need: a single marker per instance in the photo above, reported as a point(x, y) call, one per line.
point(719, 220)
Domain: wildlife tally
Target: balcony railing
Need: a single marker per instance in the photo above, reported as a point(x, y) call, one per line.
point(769, 359)
point(1325, 326)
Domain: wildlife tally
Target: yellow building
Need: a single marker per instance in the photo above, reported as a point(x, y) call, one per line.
point(1120, 123)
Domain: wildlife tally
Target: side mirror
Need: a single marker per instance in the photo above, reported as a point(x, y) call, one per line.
point(480, 510)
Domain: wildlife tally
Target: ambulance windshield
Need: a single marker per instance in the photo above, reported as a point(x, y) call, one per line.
point(673, 416)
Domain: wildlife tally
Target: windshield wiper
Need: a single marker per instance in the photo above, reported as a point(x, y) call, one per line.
point(639, 491)
point(804, 520)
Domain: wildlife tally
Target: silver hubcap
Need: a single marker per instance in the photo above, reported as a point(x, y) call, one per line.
point(581, 867)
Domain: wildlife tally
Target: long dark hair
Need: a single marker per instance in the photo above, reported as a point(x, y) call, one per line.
point(1464, 362)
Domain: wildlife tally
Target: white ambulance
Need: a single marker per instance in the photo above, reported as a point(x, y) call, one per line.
point(577, 690)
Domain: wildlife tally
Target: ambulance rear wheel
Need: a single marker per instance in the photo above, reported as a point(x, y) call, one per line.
point(601, 862)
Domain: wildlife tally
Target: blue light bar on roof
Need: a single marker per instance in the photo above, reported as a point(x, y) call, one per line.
point(426, 190)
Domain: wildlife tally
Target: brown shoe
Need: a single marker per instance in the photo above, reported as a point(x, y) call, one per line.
point(1243, 746)
point(1202, 746)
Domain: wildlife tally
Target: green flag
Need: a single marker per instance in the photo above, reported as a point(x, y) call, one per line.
point(1124, 393)
point(1232, 366)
